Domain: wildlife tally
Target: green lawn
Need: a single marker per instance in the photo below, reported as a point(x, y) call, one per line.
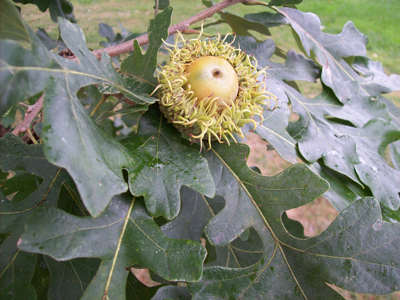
point(377, 19)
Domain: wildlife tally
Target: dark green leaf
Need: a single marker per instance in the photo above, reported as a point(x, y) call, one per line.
point(196, 212)
point(144, 66)
point(128, 235)
point(395, 154)
point(161, 4)
point(38, 128)
point(135, 290)
point(8, 119)
point(123, 111)
point(318, 139)
point(296, 67)
point(72, 139)
point(193, 217)
point(12, 186)
point(41, 278)
point(394, 112)
point(358, 246)
point(69, 279)
point(268, 19)
point(91, 67)
point(15, 57)
point(241, 252)
point(342, 192)
point(63, 9)
point(294, 227)
point(113, 39)
point(240, 26)
point(389, 215)
point(15, 155)
point(172, 293)
point(18, 291)
point(284, 2)
point(232, 176)
point(11, 24)
point(107, 31)
point(273, 129)
point(365, 259)
point(43, 5)
point(163, 164)
point(57, 8)
point(49, 42)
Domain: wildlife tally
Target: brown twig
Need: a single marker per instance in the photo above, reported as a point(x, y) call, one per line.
point(144, 39)
point(34, 109)
point(30, 115)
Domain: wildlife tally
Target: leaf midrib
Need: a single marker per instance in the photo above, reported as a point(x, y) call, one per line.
point(277, 241)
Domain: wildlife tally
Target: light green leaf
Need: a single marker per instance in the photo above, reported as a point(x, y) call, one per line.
point(374, 78)
point(373, 170)
point(329, 49)
point(11, 24)
point(325, 133)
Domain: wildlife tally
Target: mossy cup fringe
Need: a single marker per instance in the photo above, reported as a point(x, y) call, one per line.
point(206, 118)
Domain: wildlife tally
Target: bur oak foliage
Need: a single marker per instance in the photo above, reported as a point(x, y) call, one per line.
point(102, 193)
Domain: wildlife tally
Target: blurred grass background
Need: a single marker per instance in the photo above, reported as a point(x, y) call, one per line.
point(379, 20)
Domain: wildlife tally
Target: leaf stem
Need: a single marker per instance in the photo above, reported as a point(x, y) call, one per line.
point(103, 99)
point(30, 115)
point(30, 135)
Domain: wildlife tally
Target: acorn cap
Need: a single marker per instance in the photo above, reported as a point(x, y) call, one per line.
point(209, 90)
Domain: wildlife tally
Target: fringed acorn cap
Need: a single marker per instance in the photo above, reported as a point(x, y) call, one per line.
point(209, 89)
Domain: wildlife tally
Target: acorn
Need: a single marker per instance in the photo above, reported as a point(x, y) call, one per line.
point(209, 90)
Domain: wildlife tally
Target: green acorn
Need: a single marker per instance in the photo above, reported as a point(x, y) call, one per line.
point(209, 90)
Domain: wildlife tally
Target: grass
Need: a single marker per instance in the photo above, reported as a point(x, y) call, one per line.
point(377, 19)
